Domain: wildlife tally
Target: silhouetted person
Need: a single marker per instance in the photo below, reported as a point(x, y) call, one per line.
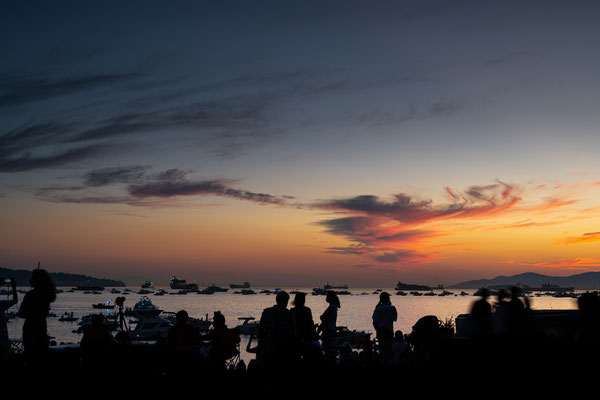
point(276, 332)
point(517, 318)
point(5, 350)
point(96, 342)
point(500, 317)
point(348, 356)
point(305, 326)
point(400, 348)
point(481, 316)
point(183, 337)
point(34, 309)
point(224, 342)
point(384, 316)
point(587, 326)
point(328, 327)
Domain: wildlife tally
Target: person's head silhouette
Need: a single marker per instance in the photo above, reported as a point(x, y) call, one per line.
point(181, 317)
point(282, 298)
point(384, 298)
point(218, 320)
point(332, 298)
point(300, 299)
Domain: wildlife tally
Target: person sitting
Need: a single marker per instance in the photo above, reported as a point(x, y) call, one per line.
point(96, 342)
point(183, 337)
point(224, 341)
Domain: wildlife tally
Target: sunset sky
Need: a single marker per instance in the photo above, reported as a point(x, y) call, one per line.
point(294, 143)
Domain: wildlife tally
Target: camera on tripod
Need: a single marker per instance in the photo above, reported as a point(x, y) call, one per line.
point(119, 301)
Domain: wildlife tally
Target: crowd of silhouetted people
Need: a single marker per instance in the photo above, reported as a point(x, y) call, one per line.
point(501, 330)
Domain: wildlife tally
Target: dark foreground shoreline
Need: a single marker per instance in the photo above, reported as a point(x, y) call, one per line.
point(475, 363)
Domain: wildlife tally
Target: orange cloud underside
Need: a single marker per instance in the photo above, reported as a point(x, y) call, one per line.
point(551, 228)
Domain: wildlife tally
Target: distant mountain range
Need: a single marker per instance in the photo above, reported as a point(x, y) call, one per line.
point(588, 280)
point(60, 278)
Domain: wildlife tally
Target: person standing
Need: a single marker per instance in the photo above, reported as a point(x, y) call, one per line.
point(328, 326)
point(277, 332)
point(384, 316)
point(5, 350)
point(34, 309)
point(481, 316)
point(305, 326)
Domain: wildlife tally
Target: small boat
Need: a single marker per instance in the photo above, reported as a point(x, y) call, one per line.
point(109, 321)
point(203, 324)
point(115, 291)
point(400, 293)
point(144, 291)
point(214, 288)
point(177, 283)
point(143, 308)
point(151, 328)
point(205, 291)
point(317, 291)
point(160, 292)
point(106, 305)
point(147, 285)
point(66, 317)
point(329, 286)
point(265, 291)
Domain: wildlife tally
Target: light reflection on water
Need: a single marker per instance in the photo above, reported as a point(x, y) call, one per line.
point(355, 312)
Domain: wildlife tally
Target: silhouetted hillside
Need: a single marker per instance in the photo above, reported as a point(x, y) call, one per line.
point(588, 280)
point(60, 278)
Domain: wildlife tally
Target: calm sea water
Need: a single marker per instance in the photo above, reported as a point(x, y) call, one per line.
point(355, 312)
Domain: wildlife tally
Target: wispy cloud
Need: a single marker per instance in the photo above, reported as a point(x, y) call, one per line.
point(585, 238)
point(28, 161)
point(18, 91)
point(145, 187)
point(580, 263)
point(397, 230)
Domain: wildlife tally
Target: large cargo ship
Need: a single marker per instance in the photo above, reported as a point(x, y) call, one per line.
point(245, 285)
point(329, 286)
point(404, 286)
point(177, 283)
